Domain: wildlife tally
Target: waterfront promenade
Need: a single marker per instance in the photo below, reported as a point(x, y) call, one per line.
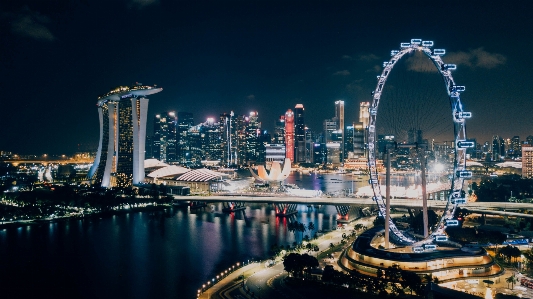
point(266, 282)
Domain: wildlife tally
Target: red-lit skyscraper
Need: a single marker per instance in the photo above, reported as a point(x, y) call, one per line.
point(289, 135)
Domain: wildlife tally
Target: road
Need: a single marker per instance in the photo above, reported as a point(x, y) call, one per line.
point(267, 282)
point(406, 203)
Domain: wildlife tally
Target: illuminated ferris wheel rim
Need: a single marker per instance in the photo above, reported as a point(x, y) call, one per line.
point(459, 116)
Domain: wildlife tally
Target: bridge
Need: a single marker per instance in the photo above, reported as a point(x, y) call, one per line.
point(510, 209)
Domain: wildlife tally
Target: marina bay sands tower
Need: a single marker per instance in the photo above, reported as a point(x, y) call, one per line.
point(122, 112)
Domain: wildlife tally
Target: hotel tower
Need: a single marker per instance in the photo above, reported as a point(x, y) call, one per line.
point(122, 112)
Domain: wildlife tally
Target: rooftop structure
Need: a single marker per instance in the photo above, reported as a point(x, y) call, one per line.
point(119, 160)
point(446, 263)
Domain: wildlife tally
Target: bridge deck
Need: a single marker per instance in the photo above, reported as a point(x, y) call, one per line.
point(492, 208)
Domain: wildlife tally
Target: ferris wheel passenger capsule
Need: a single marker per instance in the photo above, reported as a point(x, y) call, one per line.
point(449, 66)
point(394, 52)
point(465, 114)
point(465, 144)
point(457, 88)
point(459, 201)
point(439, 52)
point(452, 222)
point(441, 238)
point(464, 174)
point(427, 43)
point(405, 45)
point(416, 41)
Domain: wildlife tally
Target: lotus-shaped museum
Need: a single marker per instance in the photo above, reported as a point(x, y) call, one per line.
point(276, 174)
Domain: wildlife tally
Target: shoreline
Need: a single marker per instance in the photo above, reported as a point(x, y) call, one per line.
point(38, 222)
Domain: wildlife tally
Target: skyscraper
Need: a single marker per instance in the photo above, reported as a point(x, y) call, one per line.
point(279, 131)
point(185, 122)
point(210, 139)
point(527, 161)
point(498, 148)
point(253, 132)
point(339, 116)
point(289, 135)
point(515, 147)
point(364, 115)
point(299, 134)
point(119, 160)
point(165, 137)
point(364, 120)
point(228, 130)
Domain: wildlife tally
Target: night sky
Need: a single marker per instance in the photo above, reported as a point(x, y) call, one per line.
point(212, 57)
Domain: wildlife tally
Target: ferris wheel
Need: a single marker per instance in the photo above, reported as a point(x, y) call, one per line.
point(461, 144)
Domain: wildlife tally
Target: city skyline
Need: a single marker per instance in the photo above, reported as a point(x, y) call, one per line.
point(237, 56)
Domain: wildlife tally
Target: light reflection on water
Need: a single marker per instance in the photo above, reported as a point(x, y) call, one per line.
point(164, 254)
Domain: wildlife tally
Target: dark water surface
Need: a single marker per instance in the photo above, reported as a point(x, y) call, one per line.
point(164, 254)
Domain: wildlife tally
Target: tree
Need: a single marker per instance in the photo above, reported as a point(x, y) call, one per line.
point(328, 273)
point(311, 226)
point(511, 280)
point(529, 258)
point(515, 252)
point(308, 262)
point(292, 263)
point(295, 263)
point(508, 252)
point(274, 249)
point(300, 227)
point(412, 281)
point(306, 238)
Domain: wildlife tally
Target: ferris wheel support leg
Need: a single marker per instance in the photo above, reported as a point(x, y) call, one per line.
point(387, 196)
point(424, 194)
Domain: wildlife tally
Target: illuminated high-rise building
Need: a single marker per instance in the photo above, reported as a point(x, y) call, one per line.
point(498, 148)
point(279, 131)
point(358, 140)
point(289, 135)
point(229, 140)
point(339, 116)
point(515, 147)
point(119, 160)
point(253, 132)
point(165, 138)
point(364, 115)
point(299, 134)
point(183, 148)
point(364, 120)
point(527, 161)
